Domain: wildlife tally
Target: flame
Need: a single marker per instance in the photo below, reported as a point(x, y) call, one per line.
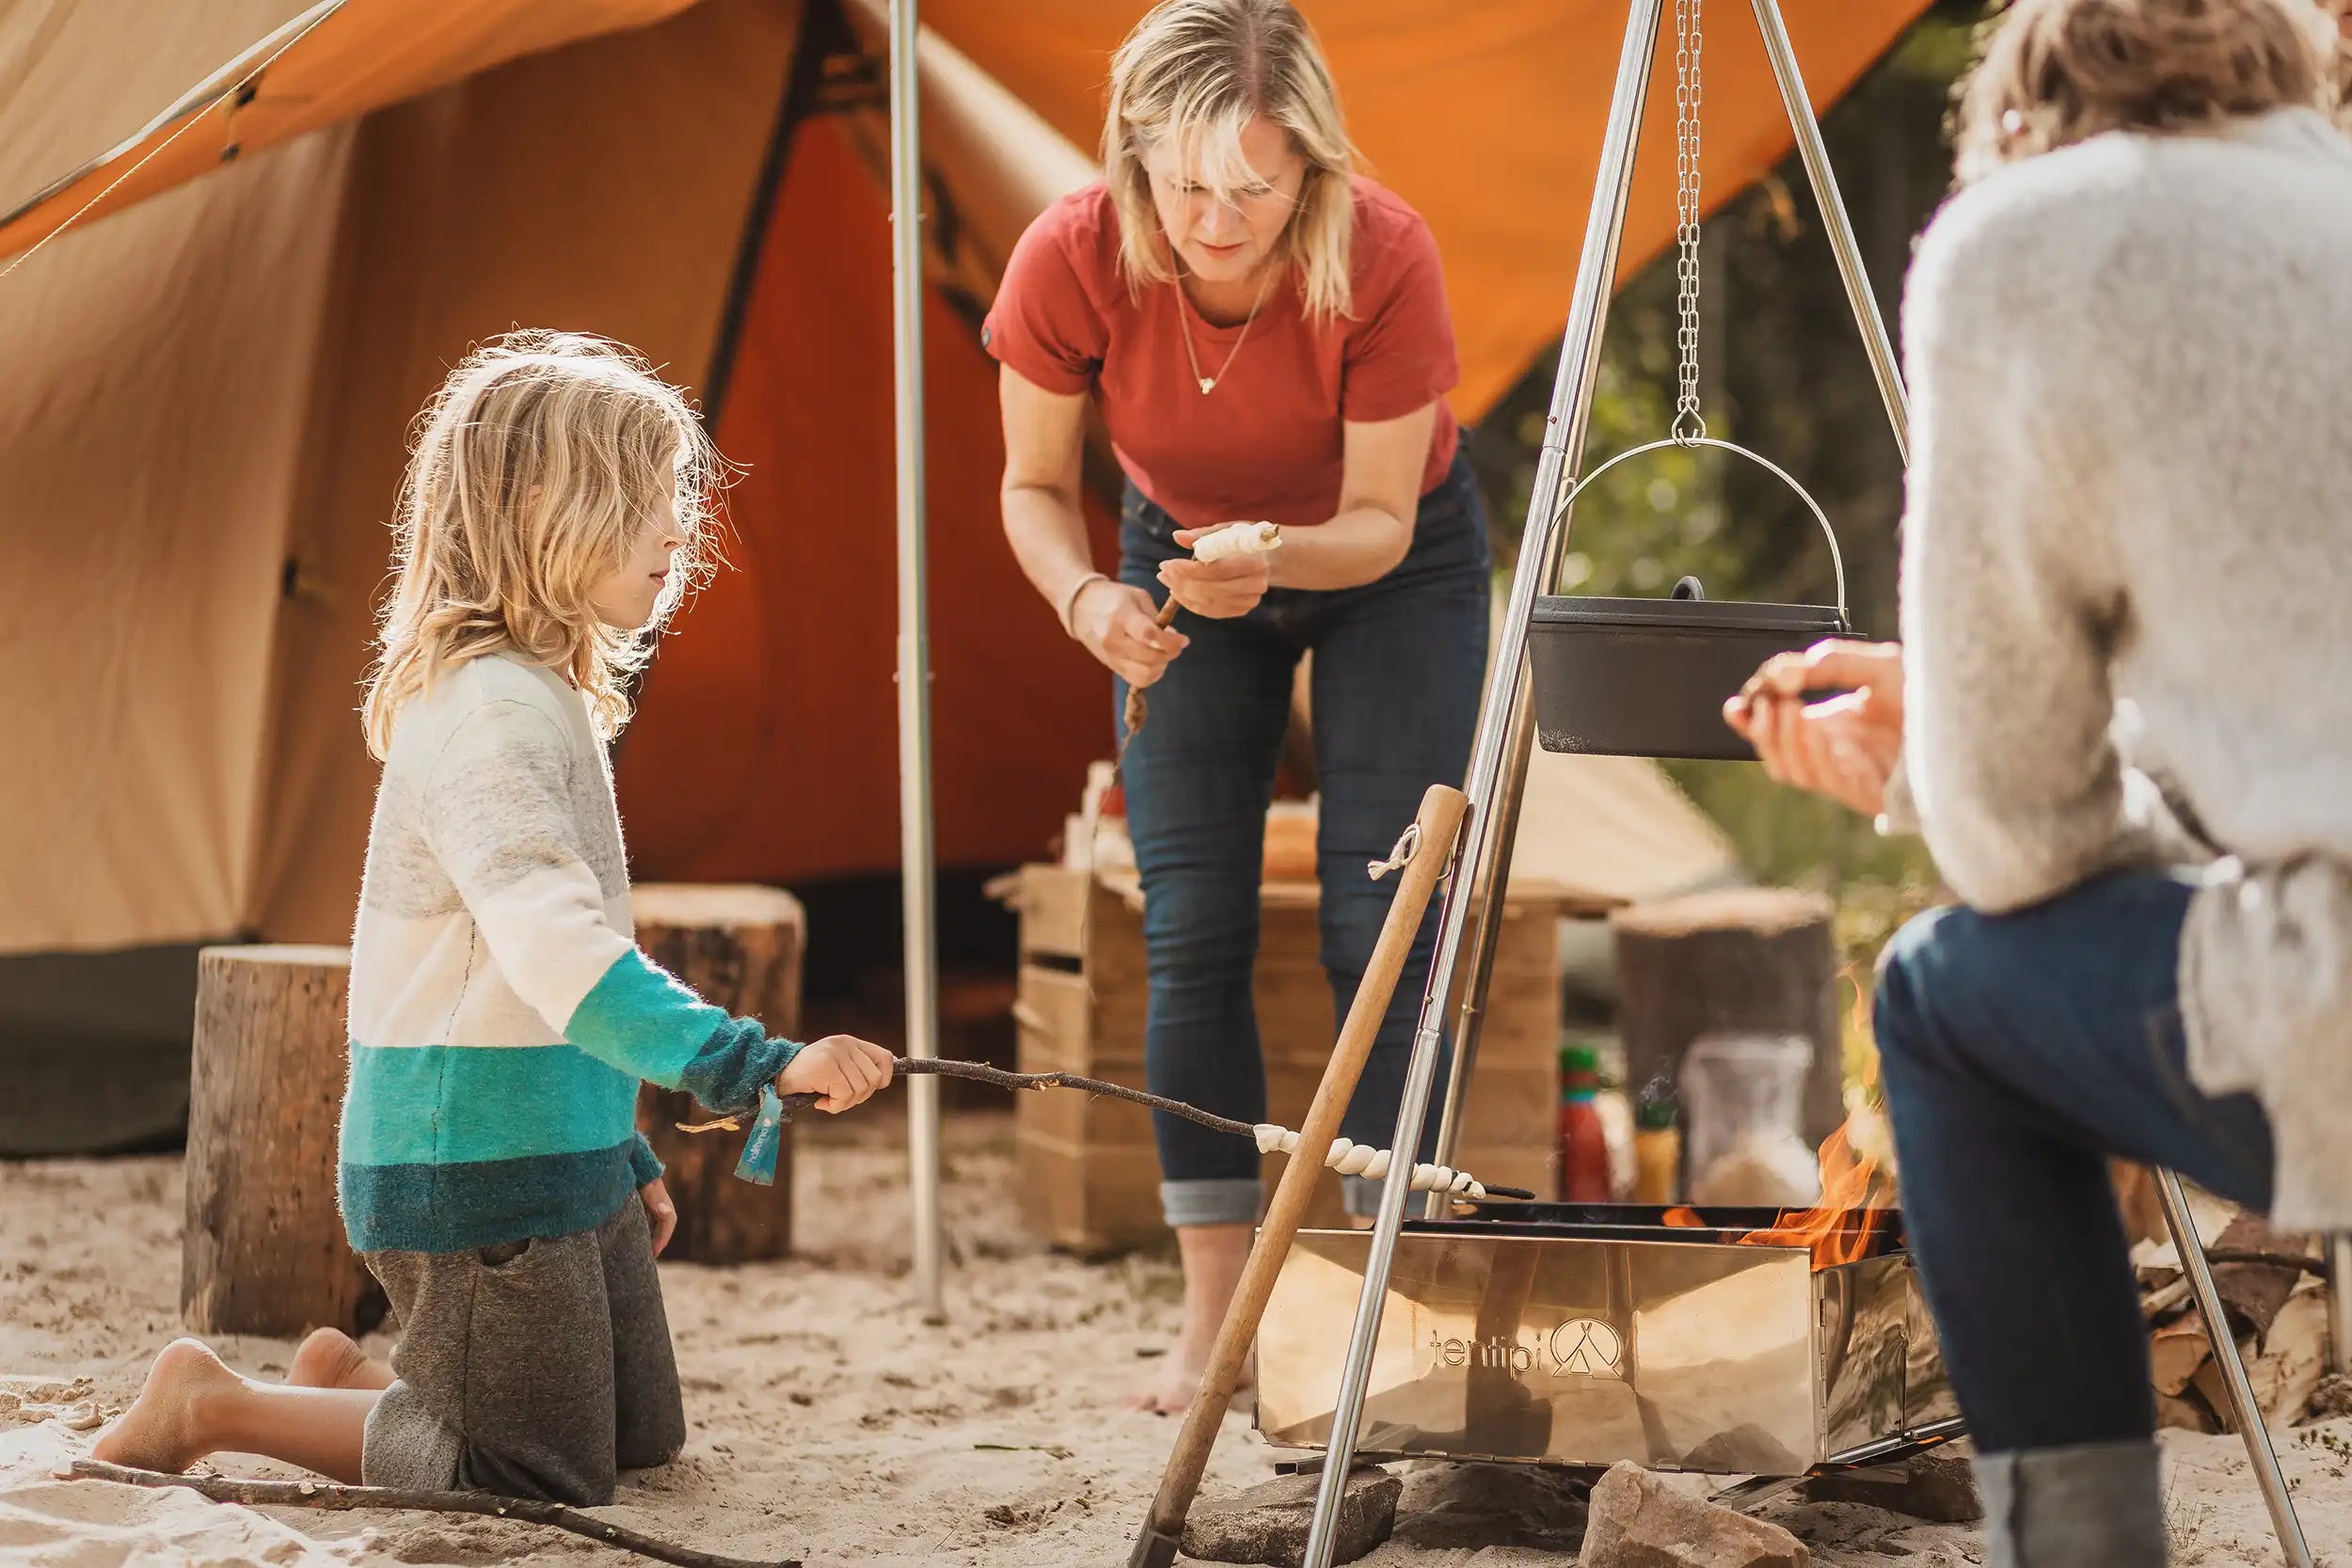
point(1840, 1228)
point(1687, 1219)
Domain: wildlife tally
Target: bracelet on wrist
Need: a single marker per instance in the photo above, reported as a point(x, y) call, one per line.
point(1069, 599)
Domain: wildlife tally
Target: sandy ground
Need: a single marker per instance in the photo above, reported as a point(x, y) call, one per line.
point(828, 1422)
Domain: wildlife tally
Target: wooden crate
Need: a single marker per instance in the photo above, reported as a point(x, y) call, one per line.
point(1087, 1172)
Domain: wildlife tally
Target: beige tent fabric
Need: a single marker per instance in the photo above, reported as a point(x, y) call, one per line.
point(353, 55)
point(602, 186)
point(69, 91)
point(159, 373)
point(204, 427)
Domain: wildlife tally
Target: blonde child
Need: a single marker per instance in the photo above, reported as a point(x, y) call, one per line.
point(501, 1015)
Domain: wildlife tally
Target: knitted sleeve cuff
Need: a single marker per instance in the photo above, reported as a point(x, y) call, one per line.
point(643, 1163)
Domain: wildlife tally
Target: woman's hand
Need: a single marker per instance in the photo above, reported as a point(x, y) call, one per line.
point(1219, 590)
point(1844, 747)
point(1120, 625)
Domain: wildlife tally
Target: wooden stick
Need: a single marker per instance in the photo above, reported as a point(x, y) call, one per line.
point(337, 1496)
point(948, 1066)
point(1440, 821)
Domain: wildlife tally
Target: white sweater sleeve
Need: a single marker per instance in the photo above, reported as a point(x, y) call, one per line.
point(498, 813)
point(2008, 604)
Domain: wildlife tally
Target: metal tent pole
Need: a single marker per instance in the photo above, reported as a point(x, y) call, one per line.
point(916, 853)
point(2243, 1410)
point(1501, 721)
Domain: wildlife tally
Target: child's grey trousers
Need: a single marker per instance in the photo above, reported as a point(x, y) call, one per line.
point(531, 1368)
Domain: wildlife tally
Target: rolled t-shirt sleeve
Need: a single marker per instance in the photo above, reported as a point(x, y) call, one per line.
point(1402, 357)
point(1043, 324)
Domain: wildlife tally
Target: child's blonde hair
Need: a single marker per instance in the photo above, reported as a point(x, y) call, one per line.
point(2059, 72)
point(1198, 70)
point(533, 470)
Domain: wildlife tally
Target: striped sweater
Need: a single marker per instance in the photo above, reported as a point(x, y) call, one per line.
point(501, 1012)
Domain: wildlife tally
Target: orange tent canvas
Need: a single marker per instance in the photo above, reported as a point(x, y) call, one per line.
point(214, 369)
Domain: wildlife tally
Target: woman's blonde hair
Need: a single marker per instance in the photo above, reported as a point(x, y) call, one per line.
point(533, 471)
point(2059, 72)
point(1196, 72)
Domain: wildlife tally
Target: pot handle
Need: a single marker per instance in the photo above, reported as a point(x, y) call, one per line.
point(1837, 557)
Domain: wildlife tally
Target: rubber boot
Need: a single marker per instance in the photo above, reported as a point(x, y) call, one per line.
point(2100, 1505)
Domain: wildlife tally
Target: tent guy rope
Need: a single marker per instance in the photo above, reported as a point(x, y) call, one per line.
point(1349, 1159)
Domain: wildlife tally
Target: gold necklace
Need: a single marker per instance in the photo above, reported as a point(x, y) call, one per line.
point(1208, 383)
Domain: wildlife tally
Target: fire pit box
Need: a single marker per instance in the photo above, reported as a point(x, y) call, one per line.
point(1585, 1333)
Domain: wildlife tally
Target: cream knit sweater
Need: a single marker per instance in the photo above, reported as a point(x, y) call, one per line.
point(2128, 576)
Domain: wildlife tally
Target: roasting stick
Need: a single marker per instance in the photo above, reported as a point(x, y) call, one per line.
point(1225, 543)
point(1424, 853)
point(1348, 1159)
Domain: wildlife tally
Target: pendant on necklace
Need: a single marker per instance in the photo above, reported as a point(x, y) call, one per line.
point(1207, 386)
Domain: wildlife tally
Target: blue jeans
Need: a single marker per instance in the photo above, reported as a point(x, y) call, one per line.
point(1395, 686)
point(2018, 1052)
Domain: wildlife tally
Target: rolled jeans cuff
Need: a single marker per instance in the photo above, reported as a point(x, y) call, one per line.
point(1223, 1201)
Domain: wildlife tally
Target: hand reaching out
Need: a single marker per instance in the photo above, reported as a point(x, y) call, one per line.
point(1843, 747)
point(840, 1069)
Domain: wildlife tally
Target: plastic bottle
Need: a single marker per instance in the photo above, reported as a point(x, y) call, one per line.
point(1583, 1143)
point(1744, 1094)
point(1657, 1145)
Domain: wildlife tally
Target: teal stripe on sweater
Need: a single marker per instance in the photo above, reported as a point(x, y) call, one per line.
point(442, 1103)
point(643, 1020)
point(640, 1019)
point(455, 1207)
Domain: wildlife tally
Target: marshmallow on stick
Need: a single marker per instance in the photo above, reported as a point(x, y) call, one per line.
point(1236, 539)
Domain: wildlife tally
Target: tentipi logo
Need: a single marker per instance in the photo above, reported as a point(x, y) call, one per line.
point(1586, 1347)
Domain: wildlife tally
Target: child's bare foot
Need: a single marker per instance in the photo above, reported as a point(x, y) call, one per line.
point(164, 1429)
point(330, 1359)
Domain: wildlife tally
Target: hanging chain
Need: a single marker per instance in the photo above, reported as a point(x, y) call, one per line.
point(1689, 425)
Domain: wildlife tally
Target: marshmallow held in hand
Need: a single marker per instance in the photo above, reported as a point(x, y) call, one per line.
point(1239, 539)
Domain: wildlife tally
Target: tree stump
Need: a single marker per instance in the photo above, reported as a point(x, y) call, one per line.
point(739, 947)
point(262, 1250)
point(1743, 960)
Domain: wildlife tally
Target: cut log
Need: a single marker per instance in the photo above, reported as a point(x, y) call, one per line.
point(1743, 960)
point(2137, 1197)
point(739, 947)
point(2252, 1294)
point(263, 1249)
point(2176, 1350)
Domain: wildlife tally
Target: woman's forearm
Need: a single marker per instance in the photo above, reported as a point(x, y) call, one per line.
point(1364, 544)
point(1048, 534)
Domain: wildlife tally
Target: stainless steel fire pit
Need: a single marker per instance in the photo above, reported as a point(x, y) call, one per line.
point(1585, 1333)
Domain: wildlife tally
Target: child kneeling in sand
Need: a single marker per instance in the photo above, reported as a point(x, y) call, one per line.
point(501, 1015)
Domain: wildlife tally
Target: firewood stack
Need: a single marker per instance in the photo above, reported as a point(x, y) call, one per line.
point(2274, 1290)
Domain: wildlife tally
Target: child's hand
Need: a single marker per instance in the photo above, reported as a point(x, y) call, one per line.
point(660, 1213)
point(842, 1070)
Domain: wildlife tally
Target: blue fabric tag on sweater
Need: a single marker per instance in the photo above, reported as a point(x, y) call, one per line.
point(760, 1150)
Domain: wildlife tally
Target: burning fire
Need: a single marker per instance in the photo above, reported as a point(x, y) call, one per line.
point(1856, 1167)
point(1841, 1228)
point(1683, 1219)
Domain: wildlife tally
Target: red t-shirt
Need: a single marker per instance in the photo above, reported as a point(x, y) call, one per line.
point(1266, 444)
